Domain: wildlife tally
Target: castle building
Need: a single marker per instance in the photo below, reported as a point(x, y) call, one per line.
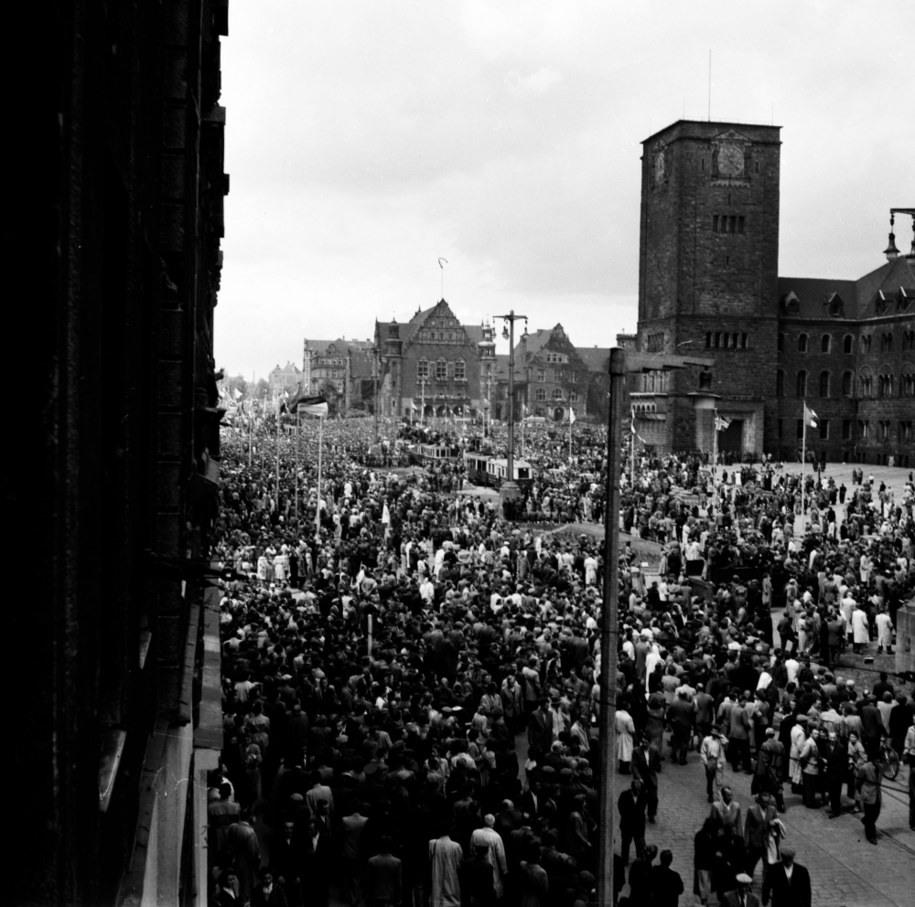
point(709, 286)
point(433, 365)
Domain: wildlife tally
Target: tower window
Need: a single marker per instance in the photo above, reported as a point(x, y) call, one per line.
point(802, 343)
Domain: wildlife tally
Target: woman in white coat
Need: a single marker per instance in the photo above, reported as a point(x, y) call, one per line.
point(625, 731)
point(797, 736)
point(860, 627)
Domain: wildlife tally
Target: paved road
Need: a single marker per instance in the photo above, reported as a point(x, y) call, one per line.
point(845, 870)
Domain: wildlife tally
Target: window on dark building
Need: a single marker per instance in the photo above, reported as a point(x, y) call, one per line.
point(824, 384)
point(781, 342)
point(460, 370)
point(441, 370)
point(825, 343)
point(779, 383)
point(802, 343)
point(886, 343)
point(846, 429)
point(823, 426)
point(799, 429)
point(422, 368)
point(848, 383)
point(865, 343)
point(847, 344)
point(800, 389)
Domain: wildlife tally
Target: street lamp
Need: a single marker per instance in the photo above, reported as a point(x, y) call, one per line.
point(620, 366)
point(510, 490)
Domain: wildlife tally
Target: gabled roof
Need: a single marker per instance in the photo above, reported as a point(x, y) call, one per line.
point(876, 293)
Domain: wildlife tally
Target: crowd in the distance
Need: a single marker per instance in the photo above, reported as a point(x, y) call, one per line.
point(411, 689)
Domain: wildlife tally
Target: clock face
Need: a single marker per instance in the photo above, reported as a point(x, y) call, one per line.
point(730, 160)
point(659, 167)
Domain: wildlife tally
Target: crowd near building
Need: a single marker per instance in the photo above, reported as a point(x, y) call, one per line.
point(243, 684)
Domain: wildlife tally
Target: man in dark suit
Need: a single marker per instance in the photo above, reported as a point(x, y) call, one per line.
point(631, 807)
point(646, 763)
point(757, 829)
point(540, 728)
point(787, 882)
point(384, 877)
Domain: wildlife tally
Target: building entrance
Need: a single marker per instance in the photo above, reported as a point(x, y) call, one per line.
point(731, 439)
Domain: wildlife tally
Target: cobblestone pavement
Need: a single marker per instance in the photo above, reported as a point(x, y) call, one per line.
point(845, 870)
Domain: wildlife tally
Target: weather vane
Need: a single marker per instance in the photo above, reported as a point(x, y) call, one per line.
point(441, 263)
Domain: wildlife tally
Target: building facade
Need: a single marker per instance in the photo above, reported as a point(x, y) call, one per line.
point(709, 286)
point(553, 378)
point(433, 365)
point(116, 216)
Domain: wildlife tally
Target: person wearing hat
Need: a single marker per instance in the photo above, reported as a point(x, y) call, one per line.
point(741, 896)
point(787, 883)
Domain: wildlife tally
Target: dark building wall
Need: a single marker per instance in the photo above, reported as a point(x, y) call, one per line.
point(114, 220)
point(708, 274)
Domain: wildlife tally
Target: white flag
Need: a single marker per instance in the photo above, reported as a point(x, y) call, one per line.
point(810, 417)
point(571, 416)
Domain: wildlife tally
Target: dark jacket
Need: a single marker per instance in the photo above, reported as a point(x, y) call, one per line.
point(795, 893)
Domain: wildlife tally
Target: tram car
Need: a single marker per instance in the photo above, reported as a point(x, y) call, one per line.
point(485, 469)
point(435, 454)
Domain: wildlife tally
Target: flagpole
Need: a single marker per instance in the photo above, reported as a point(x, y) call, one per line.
point(277, 454)
point(318, 503)
point(715, 448)
point(571, 416)
point(250, 438)
point(523, 418)
point(298, 433)
point(632, 446)
point(803, 460)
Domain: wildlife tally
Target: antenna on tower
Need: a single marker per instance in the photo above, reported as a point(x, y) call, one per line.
point(441, 263)
point(710, 85)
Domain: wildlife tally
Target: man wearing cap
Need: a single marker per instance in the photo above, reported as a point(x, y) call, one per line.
point(787, 883)
point(741, 896)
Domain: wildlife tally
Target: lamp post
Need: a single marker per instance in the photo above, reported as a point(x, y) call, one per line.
point(620, 366)
point(510, 490)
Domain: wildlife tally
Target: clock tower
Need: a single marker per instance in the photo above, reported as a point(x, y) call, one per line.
point(708, 278)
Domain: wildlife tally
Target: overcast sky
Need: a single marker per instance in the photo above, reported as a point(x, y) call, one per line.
point(366, 139)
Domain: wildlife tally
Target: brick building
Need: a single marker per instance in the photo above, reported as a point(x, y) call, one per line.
point(433, 365)
point(709, 285)
point(114, 223)
point(553, 376)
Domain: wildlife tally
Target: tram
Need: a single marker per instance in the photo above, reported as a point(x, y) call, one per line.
point(485, 469)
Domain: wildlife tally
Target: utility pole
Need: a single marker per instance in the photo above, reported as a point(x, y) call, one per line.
point(510, 490)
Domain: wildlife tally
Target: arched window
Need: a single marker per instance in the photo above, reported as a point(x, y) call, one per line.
point(802, 343)
point(865, 384)
point(884, 385)
point(848, 344)
point(801, 385)
point(825, 343)
point(865, 343)
point(886, 343)
point(540, 394)
point(824, 383)
point(907, 384)
point(557, 393)
point(848, 383)
point(908, 340)
point(779, 383)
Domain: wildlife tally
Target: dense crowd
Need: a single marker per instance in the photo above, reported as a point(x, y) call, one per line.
point(411, 689)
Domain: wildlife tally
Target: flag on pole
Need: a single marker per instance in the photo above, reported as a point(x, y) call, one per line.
point(810, 417)
point(571, 416)
point(721, 423)
point(309, 405)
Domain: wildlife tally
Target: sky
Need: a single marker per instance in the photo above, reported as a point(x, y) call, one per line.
point(367, 139)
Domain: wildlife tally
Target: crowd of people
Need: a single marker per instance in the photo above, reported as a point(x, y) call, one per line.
point(411, 681)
